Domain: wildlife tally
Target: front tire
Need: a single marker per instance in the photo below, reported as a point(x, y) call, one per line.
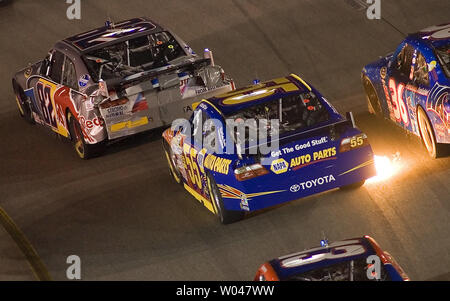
point(84, 151)
point(226, 216)
point(372, 98)
point(426, 130)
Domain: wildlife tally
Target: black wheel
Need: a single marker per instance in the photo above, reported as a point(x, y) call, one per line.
point(83, 150)
point(23, 104)
point(372, 98)
point(226, 217)
point(174, 172)
point(353, 186)
point(435, 150)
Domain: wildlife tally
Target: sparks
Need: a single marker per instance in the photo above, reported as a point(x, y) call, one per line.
point(386, 168)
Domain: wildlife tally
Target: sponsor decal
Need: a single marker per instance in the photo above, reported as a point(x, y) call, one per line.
point(28, 72)
point(217, 164)
point(244, 203)
point(299, 147)
point(114, 112)
point(304, 160)
point(383, 72)
point(83, 81)
point(129, 124)
point(140, 104)
point(279, 166)
point(89, 124)
point(312, 183)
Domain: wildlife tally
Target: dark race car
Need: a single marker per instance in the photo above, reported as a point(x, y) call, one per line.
point(116, 81)
point(411, 87)
point(358, 259)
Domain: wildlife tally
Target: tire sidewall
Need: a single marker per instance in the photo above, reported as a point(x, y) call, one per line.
point(72, 124)
point(376, 107)
point(215, 196)
point(422, 115)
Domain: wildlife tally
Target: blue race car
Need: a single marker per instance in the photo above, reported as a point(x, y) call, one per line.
point(316, 149)
point(358, 259)
point(411, 87)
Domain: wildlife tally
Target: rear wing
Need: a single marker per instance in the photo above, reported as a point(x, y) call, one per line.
point(123, 83)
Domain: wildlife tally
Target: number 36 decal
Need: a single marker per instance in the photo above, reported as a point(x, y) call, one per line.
point(398, 102)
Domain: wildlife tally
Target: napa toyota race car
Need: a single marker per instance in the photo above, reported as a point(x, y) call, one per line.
point(116, 81)
point(310, 148)
point(358, 259)
point(411, 87)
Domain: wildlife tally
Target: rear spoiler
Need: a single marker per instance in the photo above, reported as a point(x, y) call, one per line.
point(190, 65)
point(334, 130)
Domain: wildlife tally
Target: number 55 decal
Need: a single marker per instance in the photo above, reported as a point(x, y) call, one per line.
point(192, 167)
point(398, 102)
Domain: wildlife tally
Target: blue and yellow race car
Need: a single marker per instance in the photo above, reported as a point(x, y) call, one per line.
point(411, 87)
point(310, 148)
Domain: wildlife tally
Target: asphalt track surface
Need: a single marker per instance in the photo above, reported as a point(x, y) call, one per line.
point(126, 218)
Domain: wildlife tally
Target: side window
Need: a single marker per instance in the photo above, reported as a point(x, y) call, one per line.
point(56, 66)
point(404, 61)
point(421, 75)
point(69, 74)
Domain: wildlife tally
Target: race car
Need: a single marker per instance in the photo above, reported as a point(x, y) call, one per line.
point(358, 259)
point(311, 148)
point(115, 81)
point(411, 87)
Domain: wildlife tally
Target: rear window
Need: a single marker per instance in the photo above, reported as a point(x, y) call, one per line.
point(294, 113)
point(443, 54)
point(354, 270)
point(133, 56)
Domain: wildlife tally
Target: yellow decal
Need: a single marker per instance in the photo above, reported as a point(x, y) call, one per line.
point(370, 162)
point(191, 166)
point(217, 164)
point(200, 198)
point(229, 192)
point(303, 160)
point(301, 80)
point(324, 154)
point(129, 124)
point(259, 91)
point(279, 166)
point(20, 107)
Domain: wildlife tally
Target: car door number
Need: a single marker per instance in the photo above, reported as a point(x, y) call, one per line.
point(45, 101)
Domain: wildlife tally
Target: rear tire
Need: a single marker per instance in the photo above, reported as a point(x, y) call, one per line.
point(372, 98)
point(426, 130)
point(353, 186)
point(84, 151)
point(226, 216)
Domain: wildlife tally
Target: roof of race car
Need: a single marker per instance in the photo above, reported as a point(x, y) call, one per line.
point(237, 100)
point(299, 263)
point(434, 37)
point(102, 36)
